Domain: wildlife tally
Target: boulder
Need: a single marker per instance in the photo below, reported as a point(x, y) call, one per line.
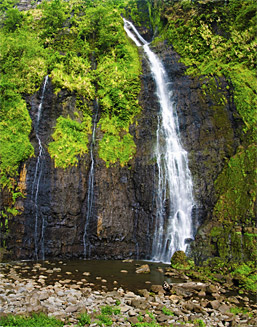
point(158, 289)
point(144, 269)
point(179, 259)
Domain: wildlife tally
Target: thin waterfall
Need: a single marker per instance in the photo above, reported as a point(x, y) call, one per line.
point(90, 189)
point(174, 202)
point(36, 181)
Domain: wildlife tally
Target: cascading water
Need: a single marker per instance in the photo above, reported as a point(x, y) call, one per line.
point(173, 225)
point(90, 190)
point(36, 182)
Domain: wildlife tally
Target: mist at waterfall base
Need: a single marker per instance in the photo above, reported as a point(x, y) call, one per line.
point(173, 226)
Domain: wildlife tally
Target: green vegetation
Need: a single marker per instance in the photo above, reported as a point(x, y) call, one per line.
point(82, 47)
point(84, 50)
point(246, 274)
point(216, 41)
point(146, 324)
point(237, 310)
point(105, 318)
point(199, 323)
point(213, 44)
point(83, 319)
point(167, 312)
point(70, 140)
point(40, 320)
point(22, 68)
point(109, 310)
point(179, 260)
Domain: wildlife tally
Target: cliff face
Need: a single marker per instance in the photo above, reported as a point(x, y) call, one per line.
point(208, 129)
point(123, 210)
point(62, 213)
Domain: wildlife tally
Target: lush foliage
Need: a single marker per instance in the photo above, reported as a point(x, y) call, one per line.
point(22, 68)
point(70, 140)
point(217, 41)
point(237, 202)
point(40, 320)
point(167, 311)
point(84, 319)
point(83, 48)
point(92, 57)
point(212, 42)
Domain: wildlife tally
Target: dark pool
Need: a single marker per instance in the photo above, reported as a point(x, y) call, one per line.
point(102, 273)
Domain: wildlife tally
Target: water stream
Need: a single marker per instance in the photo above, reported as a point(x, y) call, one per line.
point(90, 190)
point(174, 202)
point(36, 182)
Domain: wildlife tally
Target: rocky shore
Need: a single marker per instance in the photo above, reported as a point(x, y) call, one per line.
point(188, 303)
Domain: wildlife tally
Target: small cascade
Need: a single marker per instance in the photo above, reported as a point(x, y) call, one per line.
point(90, 190)
point(39, 244)
point(174, 201)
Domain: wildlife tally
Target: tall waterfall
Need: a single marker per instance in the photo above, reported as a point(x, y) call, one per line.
point(36, 182)
point(173, 225)
point(90, 189)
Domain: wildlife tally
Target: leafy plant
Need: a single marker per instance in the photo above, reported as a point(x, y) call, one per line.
point(70, 141)
point(167, 312)
point(199, 323)
point(103, 320)
point(35, 320)
point(84, 319)
point(107, 310)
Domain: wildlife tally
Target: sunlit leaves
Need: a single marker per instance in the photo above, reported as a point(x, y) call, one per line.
point(115, 148)
point(15, 126)
point(73, 73)
point(23, 60)
point(221, 42)
point(70, 141)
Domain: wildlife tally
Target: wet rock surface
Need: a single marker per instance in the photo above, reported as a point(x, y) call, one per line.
point(123, 204)
point(66, 299)
point(209, 129)
point(120, 224)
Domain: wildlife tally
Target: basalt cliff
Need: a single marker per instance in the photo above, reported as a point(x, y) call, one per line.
point(121, 194)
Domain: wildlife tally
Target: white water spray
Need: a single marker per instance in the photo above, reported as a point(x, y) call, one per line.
point(173, 225)
point(90, 189)
point(37, 178)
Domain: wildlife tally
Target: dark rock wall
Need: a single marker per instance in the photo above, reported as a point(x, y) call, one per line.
point(123, 199)
point(209, 128)
point(123, 208)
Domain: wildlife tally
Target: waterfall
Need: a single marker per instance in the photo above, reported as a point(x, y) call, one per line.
point(90, 189)
point(174, 201)
point(36, 181)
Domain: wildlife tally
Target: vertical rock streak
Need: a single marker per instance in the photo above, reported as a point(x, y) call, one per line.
point(90, 190)
point(174, 201)
point(36, 181)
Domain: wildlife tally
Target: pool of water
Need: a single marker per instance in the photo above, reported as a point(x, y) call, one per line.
point(105, 274)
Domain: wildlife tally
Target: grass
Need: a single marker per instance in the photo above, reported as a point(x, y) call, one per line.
point(167, 312)
point(84, 319)
point(40, 320)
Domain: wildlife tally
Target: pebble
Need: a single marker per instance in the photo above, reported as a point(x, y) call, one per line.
point(67, 298)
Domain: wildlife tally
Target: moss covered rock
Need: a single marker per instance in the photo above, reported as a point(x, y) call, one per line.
point(179, 259)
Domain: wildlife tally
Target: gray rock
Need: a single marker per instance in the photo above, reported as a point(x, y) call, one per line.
point(139, 304)
point(158, 289)
point(43, 296)
point(162, 318)
point(71, 309)
point(224, 308)
point(215, 304)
